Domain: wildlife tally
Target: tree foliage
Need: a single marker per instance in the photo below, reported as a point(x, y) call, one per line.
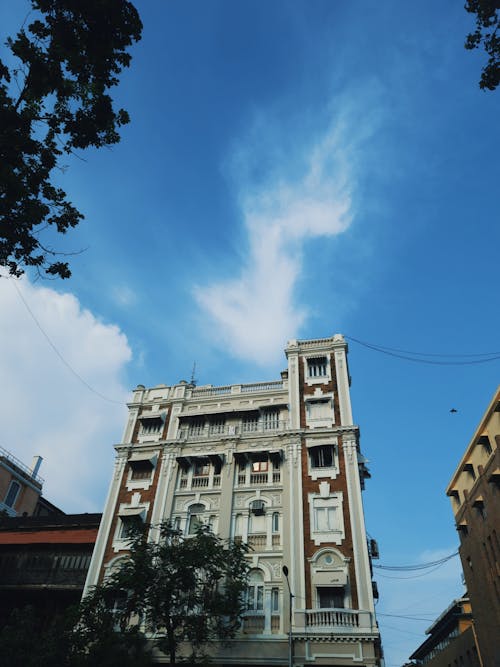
point(53, 101)
point(185, 590)
point(486, 34)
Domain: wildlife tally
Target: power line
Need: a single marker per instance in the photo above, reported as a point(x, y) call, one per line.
point(422, 357)
point(420, 566)
point(53, 346)
point(410, 618)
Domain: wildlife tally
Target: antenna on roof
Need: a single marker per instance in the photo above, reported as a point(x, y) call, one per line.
point(193, 378)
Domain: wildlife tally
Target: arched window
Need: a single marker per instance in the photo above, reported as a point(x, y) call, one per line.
point(195, 517)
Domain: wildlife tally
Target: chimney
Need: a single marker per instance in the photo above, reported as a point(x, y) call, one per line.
point(35, 465)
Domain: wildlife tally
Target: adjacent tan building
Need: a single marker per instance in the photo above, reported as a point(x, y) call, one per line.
point(278, 466)
point(20, 485)
point(451, 640)
point(475, 496)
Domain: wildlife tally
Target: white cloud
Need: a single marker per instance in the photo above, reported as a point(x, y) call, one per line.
point(46, 409)
point(253, 314)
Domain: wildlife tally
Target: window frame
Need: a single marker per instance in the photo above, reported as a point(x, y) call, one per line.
point(13, 484)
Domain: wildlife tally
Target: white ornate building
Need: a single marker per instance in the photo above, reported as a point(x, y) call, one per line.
point(277, 465)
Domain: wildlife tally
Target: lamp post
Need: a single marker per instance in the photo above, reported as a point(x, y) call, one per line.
point(290, 644)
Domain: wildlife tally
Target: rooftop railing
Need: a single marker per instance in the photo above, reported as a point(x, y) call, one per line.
point(276, 385)
point(10, 458)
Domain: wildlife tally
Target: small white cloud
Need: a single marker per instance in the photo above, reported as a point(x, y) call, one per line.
point(46, 409)
point(124, 296)
point(253, 314)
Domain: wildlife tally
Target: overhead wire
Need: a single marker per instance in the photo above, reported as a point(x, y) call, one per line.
point(56, 351)
point(441, 359)
point(419, 566)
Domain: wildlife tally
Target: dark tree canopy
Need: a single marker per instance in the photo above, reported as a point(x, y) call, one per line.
point(486, 34)
point(55, 100)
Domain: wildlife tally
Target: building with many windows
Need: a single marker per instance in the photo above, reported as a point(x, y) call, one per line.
point(450, 639)
point(276, 465)
point(474, 492)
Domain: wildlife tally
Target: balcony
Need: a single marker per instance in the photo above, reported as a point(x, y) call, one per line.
point(199, 482)
point(48, 570)
point(334, 621)
point(270, 478)
point(243, 429)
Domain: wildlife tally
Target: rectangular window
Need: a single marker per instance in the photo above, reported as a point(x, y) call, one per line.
point(330, 597)
point(141, 470)
point(324, 518)
point(270, 420)
point(320, 409)
point(130, 526)
point(255, 598)
point(317, 367)
point(151, 425)
point(322, 456)
point(260, 466)
point(275, 600)
point(12, 493)
point(201, 468)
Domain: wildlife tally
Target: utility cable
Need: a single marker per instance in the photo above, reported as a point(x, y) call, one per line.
point(63, 360)
point(420, 357)
point(421, 566)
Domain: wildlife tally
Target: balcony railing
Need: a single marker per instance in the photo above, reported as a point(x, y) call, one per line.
point(249, 428)
point(259, 478)
point(253, 623)
point(276, 385)
point(200, 482)
point(44, 569)
point(10, 458)
point(333, 620)
point(257, 541)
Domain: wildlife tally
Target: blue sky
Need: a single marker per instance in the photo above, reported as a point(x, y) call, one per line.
point(291, 170)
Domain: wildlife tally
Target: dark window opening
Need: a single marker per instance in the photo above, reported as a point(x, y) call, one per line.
point(331, 597)
point(322, 456)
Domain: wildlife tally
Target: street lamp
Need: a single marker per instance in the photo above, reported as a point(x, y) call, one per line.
point(290, 644)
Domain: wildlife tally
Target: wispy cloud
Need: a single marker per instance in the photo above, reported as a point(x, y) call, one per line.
point(305, 194)
point(124, 295)
point(45, 408)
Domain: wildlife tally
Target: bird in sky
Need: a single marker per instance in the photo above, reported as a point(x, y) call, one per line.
point(453, 410)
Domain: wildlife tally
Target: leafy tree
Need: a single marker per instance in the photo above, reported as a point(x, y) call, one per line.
point(53, 101)
point(185, 590)
point(487, 23)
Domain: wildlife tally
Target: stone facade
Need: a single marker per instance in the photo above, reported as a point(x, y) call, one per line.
point(276, 465)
